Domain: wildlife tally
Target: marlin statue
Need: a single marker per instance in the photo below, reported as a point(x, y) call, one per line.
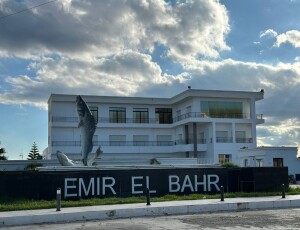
point(65, 161)
point(87, 125)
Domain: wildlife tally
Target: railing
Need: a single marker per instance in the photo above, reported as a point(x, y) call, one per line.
point(156, 121)
point(151, 143)
point(211, 115)
point(189, 141)
point(224, 139)
point(244, 140)
point(108, 120)
point(115, 143)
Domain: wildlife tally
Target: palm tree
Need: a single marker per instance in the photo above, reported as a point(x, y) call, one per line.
point(34, 152)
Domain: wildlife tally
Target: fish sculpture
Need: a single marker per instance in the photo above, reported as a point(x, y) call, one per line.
point(87, 125)
point(65, 161)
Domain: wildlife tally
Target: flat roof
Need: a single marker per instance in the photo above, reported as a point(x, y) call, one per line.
point(189, 93)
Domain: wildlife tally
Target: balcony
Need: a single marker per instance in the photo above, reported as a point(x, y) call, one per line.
point(190, 141)
point(104, 120)
point(108, 120)
point(129, 143)
point(212, 115)
point(243, 140)
point(224, 139)
point(114, 143)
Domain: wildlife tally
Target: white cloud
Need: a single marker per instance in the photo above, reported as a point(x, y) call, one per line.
point(285, 131)
point(292, 37)
point(100, 28)
point(297, 58)
point(105, 48)
point(268, 33)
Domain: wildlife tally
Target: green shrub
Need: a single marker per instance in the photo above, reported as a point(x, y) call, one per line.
point(229, 165)
point(32, 166)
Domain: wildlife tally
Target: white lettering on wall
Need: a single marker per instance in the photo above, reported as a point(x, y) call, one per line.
point(174, 182)
point(214, 182)
point(176, 185)
point(81, 186)
point(69, 181)
point(106, 185)
point(203, 183)
point(187, 184)
point(135, 186)
point(148, 185)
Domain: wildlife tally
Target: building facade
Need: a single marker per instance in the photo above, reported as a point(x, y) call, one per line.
point(208, 125)
point(270, 156)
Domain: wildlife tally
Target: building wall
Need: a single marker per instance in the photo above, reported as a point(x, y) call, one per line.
point(267, 155)
point(64, 134)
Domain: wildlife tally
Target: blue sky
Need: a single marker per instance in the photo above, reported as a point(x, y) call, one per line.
point(144, 48)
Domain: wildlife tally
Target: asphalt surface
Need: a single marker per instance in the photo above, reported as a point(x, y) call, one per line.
point(244, 220)
point(126, 211)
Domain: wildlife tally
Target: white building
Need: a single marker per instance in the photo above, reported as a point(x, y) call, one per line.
point(269, 156)
point(207, 125)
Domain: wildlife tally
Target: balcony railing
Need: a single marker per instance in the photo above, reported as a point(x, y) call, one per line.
point(211, 115)
point(115, 143)
point(189, 141)
point(156, 121)
point(224, 139)
point(151, 143)
point(244, 140)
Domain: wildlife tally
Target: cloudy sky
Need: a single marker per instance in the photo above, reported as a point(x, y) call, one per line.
point(146, 48)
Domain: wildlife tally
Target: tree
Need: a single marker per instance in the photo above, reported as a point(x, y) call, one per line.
point(34, 152)
point(2, 152)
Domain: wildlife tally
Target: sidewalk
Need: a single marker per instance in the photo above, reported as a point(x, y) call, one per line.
point(141, 210)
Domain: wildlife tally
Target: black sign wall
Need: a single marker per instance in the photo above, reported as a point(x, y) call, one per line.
point(133, 182)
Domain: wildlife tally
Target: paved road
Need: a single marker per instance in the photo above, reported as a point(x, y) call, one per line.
point(262, 219)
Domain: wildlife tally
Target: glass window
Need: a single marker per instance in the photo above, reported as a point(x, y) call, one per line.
point(201, 138)
point(259, 163)
point(164, 140)
point(117, 140)
point(94, 111)
point(278, 162)
point(222, 137)
point(240, 136)
point(140, 140)
point(117, 115)
point(140, 115)
point(163, 115)
point(224, 158)
point(222, 109)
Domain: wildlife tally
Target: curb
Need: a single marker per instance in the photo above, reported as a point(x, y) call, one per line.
point(142, 210)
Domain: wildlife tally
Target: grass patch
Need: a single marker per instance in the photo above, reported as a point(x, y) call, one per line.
point(12, 204)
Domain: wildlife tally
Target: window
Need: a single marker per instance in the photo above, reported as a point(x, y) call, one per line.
point(164, 140)
point(117, 115)
point(222, 137)
point(180, 139)
point(94, 111)
point(240, 137)
point(188, 109)
point(117, 140)
point(163, 115)
point(224, 158)
point(259, 163)
point(278, 162)
point(222, 109)
point(140, 115)
point(140, 140)
point(246, 164)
